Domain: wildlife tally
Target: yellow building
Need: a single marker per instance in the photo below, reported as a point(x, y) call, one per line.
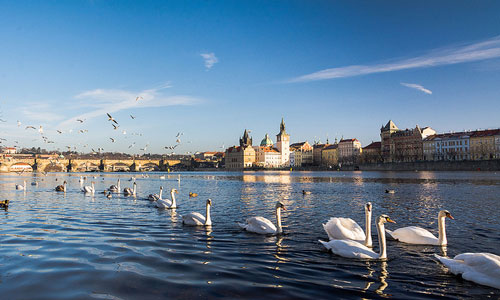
point(241, 157)
point(301, 154)
point(483, 144)
point(329, 155)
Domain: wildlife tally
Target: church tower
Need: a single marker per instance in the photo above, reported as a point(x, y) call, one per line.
point(283, 144)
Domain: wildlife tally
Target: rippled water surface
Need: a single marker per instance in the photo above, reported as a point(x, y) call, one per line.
point(73, 246)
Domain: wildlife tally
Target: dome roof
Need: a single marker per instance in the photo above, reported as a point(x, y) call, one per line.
point(266, 141)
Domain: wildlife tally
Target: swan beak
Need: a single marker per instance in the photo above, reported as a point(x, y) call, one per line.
point(390, 221)
point(176, 191)
point(450, 216)
point(284, 208)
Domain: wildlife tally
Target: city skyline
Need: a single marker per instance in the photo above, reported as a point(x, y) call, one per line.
point(211, 70)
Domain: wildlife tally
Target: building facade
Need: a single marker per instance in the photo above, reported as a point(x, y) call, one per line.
point(372, 153)
point(302, 154)
point(484, 144)
point(329, 156)
point(241, 157)
point(317, 149)
point(349, 151)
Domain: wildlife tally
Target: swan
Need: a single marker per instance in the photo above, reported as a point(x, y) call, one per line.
point(481, 268)
point(21, 186)
point(115, 188)
point(419, 236)
point(353, 249)
point(62, 187)
point(262, 225)
point(130, 192)
point(348, 229)
point(167, 203)
point(155, 197)
point(89, 189)
point(196, 219)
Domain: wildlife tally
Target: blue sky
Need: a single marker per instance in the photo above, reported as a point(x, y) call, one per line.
point(210, 69)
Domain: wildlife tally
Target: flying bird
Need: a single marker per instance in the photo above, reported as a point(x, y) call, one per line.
point(133, 118)
point(83, 130)
point(115, 127)
point(138, 98)
point(41, 129)
point(59, 131)
point(178, 141)
point(19, 123)
point(80, 120)
point(179, 134)
point(124, 132)
point(30, 127)
point(110, 118)
point(112, 140)
point(133, 144)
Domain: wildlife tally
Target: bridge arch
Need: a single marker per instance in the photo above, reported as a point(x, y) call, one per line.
point(21, 167)
point(120, 167)
point(149, 166)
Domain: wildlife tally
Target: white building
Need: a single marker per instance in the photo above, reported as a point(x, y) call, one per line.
point(283, 145)
point(447, 146)
point(266, 155)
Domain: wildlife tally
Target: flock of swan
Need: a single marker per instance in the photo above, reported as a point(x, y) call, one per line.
point(345, 237)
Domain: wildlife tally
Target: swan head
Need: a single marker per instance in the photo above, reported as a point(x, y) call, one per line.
point(209, 202)
point(384, 219)
point(279, 204)
point(368, 206)
point(161, 188)
point(445, 214)
point(174, 191)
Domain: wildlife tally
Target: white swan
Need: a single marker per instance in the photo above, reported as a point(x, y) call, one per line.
point(419, 236)
point(155, 197)
point(167, 203)
point(262, 225)
point(482, 268)
point(21, 186)
point(348, 229)
point(353, 249)
point(89, 189)
point(130, 192)
point(62, 187)
point(197, 219)
point(115, 188)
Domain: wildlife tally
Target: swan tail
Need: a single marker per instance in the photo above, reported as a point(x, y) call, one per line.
point(325, 244)
point(390, 234)
point(242, 225)
point(326, 228)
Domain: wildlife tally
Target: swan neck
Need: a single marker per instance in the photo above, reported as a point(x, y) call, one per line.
point(208, 220)
point(279, 229)
point(161, 192)
point(135, 187)
point(442, 231)
point(368, 228)
point(381, 240)
point(174, 203)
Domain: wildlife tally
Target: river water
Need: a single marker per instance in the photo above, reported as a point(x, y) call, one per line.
point(73, 246)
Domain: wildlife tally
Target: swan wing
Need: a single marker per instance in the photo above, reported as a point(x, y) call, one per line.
point(344, 229)
point(194, 219)
point(350, 249)
point(414, 235)
point(260, 225)
point(481, 268)
point(163, 203)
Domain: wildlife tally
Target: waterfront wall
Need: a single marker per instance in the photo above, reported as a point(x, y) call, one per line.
point(472, 165)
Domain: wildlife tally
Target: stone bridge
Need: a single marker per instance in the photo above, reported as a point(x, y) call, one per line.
point(10, 164)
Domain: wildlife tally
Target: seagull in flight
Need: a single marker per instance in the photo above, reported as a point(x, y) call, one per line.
point(133, 144)
point(30, 127)
point(115, 127)
point(19, 123)
point(133, 118)
point(83, 130)
point(59, 131)
point(110, 118)
point(139, 98)
point(80, 120)
point(41, 129)
point(178, 141)
point(179, 134)
point(112, 140)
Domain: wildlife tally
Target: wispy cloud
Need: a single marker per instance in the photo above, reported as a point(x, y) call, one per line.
point(446, 56)
point(111, 100)
point(210, 60)
point(40, 112)
point(417, 87)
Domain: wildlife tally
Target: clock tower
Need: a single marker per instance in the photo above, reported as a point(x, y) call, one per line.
point(283, 145)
